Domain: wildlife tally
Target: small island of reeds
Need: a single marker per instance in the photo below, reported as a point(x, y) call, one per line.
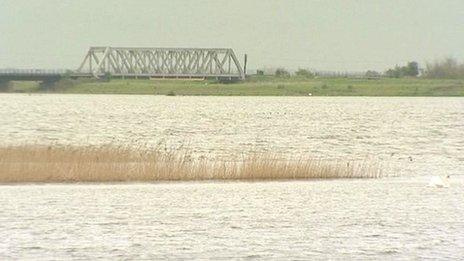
point(65, 164)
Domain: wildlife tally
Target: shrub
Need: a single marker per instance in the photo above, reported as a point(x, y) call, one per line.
point(281, 72)
point(304, 73)
point(372, 74)
point(411, 69)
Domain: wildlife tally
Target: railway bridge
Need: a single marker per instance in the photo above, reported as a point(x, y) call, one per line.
point(141, 62)
point(161, 62)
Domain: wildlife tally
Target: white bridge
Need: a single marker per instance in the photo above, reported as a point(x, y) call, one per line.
point(220, 63)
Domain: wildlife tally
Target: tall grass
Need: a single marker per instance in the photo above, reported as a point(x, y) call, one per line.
point(118, 164)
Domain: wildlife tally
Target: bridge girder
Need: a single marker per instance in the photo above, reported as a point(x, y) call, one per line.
point(161, 62)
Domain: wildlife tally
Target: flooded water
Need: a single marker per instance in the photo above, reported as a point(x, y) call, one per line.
point(393, 218)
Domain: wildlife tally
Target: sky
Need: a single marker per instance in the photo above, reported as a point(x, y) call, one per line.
point(337, 35)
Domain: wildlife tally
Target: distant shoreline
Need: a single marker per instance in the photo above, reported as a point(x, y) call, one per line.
point(257, 86)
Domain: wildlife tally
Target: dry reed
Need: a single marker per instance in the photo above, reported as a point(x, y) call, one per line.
point(118, 164)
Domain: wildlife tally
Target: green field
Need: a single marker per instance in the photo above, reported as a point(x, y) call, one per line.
point(261, 86)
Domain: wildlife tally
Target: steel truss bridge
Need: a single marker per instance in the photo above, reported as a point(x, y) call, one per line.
point(161, 62)
point(124, 62)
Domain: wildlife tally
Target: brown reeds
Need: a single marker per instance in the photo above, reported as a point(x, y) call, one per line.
point(118, 164)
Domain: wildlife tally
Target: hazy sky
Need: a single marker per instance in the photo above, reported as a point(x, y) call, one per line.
point(326, 35)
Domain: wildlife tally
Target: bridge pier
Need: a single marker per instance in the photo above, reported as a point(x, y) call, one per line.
point(5, 85)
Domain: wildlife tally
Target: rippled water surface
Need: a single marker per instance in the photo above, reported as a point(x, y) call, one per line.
point(413, 138)
point(364, 219)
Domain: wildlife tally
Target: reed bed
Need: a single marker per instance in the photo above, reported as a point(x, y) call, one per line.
point(122, 164)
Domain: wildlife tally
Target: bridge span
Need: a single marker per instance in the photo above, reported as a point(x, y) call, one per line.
point(46, 77)
point(141, 62)
point(162, 62)
point(31, 74)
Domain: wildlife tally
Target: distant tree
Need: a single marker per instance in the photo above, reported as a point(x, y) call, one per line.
point(446, 68)
point(411, 69)
point(372, 74)
point(304, 73)
point(281, 72)
point(393, 73)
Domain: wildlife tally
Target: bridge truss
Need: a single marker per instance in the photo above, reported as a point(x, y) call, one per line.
point(161, 62)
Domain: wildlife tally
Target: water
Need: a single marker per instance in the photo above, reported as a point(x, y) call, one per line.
point(363, 219)
point(410, 136)
point(390, 218)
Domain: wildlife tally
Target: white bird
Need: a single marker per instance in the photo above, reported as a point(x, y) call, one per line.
point(439, 182)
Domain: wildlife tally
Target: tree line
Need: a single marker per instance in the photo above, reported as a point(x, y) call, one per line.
point(448, 68)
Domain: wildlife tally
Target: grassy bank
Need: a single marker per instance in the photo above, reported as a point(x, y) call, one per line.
point(263, 86)
point(116, 164)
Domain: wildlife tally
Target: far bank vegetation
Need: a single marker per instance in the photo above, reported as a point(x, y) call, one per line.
point(448, 68)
